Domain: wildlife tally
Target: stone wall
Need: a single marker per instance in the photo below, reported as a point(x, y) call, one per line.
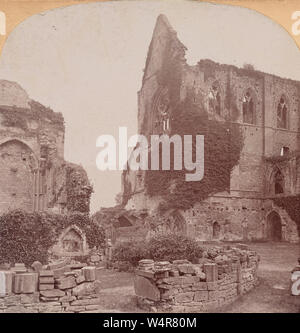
point(181, 286)
point(65, 286)
point(33, 172)
point(250, 181)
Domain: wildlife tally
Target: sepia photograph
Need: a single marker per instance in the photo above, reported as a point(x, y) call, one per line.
point(149, 161)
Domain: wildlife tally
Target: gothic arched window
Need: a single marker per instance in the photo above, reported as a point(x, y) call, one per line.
point(214, 97)
point(248, 108)
point(162, 108)
point(282, 113)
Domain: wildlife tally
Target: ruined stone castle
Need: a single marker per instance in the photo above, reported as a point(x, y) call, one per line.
point(267, 110)
point(33, 173)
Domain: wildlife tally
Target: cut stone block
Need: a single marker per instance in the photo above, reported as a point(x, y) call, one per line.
point(25, 283)
point(53, 293)
point(99, 272)
point(147, 274)
point(46, 273)
point(145, 288)
point(19, 269)
point(57, 273)
point(59, 264)
point(65, 283)
point(30, 298)
point(91, 301)
point(19, 264)
point(186, 268)
point(6, 282)
point(85, 288)
point(48, 286)
point(211, 272)
point(80, 279)
point(76, 266)
point(67, 299)
point(89, 272)
point(46, 280)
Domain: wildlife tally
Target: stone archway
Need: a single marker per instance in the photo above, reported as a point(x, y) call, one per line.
point(274, 227)
point(71, 243)
point(17, 162)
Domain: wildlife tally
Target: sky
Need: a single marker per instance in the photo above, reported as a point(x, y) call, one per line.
point(86, 61)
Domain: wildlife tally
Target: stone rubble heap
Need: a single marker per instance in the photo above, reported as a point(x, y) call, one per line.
point(219, 278)
point(64, 286)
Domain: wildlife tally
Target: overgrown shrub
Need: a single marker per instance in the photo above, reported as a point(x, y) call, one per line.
point(173, 247)
point(26, 237)
point(161, 247)
point(131, 252)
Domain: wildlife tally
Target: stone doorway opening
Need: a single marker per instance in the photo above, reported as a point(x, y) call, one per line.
point(274, 227)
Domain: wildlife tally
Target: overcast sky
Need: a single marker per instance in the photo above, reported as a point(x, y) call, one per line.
point(87, 62)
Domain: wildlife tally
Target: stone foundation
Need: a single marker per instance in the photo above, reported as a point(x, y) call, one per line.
point(181, 286)
point(66, 286)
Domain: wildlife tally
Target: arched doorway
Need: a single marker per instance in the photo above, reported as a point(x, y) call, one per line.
point(274, 228)
point(216, 230)
point(16, 178)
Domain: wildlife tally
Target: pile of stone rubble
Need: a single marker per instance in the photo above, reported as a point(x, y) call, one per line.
point(62, 286)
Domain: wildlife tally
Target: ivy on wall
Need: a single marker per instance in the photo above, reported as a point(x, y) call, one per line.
point(223, 143)
point(26, 237)
point(78, 189)
point(19, 117)
point(291, 204)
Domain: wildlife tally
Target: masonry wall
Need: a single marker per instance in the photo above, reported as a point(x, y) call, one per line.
point(64, 286)
point(33, 172)
point(251, 179)
point(185, 287)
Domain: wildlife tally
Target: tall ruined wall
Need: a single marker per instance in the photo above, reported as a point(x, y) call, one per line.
point(263, 106)
point(276, 138)
point(33, 173)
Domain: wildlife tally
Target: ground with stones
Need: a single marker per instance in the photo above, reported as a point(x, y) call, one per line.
point(271, 295)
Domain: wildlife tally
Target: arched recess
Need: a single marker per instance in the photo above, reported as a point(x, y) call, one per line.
point(277, 182)
point(161, 110)
point(71, 242)
point(216, 230)
point(249, 107)
point(274, 227)
point(214, 98)
point(17, 165)
point(282, 111)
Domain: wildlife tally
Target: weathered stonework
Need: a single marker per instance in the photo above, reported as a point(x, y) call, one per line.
point(265, 107)
point(63, 286)
point(186, 287)
point(33, 173)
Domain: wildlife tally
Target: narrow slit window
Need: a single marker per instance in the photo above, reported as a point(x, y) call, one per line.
point(282, 113)
point(248, 109)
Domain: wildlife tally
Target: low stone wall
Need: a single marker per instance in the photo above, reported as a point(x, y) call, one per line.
point(66, 286)
point(181, 286)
